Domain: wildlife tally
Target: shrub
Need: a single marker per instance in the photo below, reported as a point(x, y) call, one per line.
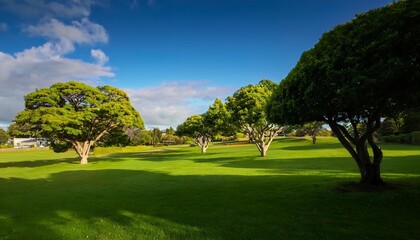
point(300, 133)
point(401, 138)
point(415, 137)
point(324, 133)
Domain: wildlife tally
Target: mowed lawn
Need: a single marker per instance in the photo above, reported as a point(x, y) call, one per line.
point(228, 193)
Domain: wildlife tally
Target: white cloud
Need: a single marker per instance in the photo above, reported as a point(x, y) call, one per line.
point(99, 56)
point(3, 27)
point(47, 8)
point(170, 104)
point(83, 31)
point(40, 67)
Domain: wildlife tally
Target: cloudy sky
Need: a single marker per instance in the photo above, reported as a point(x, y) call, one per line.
point(173, 57)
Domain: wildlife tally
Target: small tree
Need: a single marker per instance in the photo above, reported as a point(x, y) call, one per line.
point(156, 135)
point(194, 127)
point(77, 115)
point(203, 128)
point(388, 127)
point(247, 108)
point(312, 129)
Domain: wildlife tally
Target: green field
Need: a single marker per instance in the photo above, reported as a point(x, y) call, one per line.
point(296, 192)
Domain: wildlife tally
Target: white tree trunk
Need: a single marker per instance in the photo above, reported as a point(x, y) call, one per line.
point(203, 142)
point(204, 149)
point(82, 149)
point(262, 136)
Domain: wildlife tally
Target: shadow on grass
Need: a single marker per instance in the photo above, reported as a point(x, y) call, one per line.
point(311, 146)
point(156, 156)
point(38, 163)
point(124, 204)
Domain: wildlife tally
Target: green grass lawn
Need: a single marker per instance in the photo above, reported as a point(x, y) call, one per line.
point(228, 193)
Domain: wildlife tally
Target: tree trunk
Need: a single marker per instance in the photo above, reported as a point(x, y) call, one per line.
point(263, 151)
point(82, 149)
point(204, 149)
point(370, 172)
point(372, 175)
point(313, 139)
point(203, 142)
point(84, 159)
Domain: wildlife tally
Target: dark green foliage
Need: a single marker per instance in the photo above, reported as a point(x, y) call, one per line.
point(388, 127)
point(357, 73)
point(60, 146)
point(411, 121)
point(405, 138)
point(116, 137)
point(4, 137)
point(415, 137)
point(19, 130)
point(300, 133)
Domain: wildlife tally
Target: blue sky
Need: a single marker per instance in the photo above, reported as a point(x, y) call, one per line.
point(173, 57)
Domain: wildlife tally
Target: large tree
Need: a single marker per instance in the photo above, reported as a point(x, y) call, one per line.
point(74, 114)
point(247, 108)
point(356, 74)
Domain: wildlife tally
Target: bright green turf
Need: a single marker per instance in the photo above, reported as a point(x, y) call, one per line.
point(228, 193)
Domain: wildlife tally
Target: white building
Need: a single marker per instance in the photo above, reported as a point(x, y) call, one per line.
point(29, 142)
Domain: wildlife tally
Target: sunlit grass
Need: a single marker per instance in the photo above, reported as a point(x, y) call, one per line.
point(229, 193)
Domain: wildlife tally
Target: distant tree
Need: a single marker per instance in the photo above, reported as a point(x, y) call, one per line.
point(356, 74)
point(194, 127)
point(411, 121)
point(247, 109)
point(77, 115)
point(139, 136)
point(170, 131)
point(116, 137)
point(388, 127)
point(142, 137)
point(4, 137)
point(156, 135)
point(172, 139)
point(203, 128)
point(312, 129)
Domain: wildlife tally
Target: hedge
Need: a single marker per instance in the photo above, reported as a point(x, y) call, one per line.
point(408, 138)
point(415, 137)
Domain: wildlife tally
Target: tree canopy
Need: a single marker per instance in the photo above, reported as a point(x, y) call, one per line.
point(74, 114)
point(357, 73)
point(247, 108)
